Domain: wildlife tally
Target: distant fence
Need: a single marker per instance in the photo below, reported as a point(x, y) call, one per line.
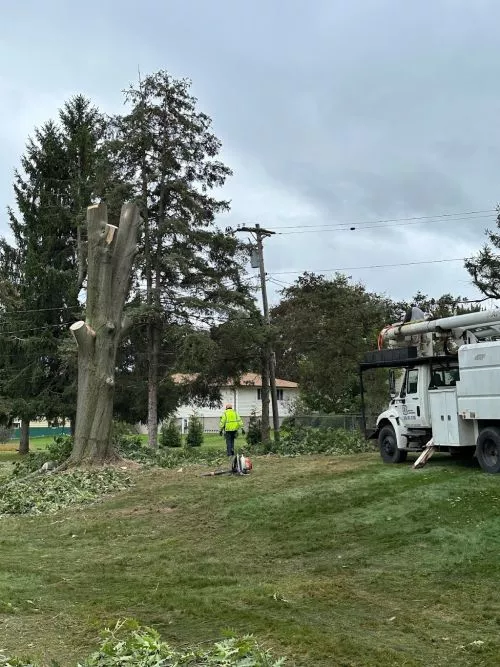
point(210, 424)
point(40, 432)
point(347, 422)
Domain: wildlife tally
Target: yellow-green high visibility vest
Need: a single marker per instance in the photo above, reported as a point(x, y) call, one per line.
point(230, 421)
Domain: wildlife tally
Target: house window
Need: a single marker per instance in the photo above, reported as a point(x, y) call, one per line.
point(279, 394)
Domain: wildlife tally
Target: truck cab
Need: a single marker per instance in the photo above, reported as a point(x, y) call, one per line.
point(451, 402)
point(407, 423)
point(449, 396)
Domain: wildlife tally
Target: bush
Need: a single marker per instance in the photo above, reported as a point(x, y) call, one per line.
point(129, 644)
point(170, 435)
point(195, 432)
point(298, 440)
point(254, 432)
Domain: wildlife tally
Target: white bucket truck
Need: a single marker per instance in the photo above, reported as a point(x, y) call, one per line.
point(449, 397)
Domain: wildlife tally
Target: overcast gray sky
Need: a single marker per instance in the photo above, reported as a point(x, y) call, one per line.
point(330, 111)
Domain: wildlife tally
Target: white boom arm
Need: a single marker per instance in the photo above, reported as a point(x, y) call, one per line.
point(487, 319)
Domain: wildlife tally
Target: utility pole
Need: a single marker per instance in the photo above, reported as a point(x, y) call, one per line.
point(269, 361)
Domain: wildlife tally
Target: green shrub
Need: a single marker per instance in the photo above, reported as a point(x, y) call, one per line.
point(300, 440)
point(254, 431)
point(129, 644)
point(170, 435)
point(195, 432)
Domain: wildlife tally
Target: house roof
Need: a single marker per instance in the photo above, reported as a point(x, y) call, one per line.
point(247, 379)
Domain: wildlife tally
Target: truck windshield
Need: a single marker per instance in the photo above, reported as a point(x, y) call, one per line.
point(443, 377)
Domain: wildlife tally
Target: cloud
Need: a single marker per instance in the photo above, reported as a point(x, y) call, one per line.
point(329, 112)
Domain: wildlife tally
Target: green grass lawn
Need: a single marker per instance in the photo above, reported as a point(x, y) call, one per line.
point(341, 561)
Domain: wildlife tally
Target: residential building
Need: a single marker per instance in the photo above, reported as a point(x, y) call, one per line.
point(245, 397)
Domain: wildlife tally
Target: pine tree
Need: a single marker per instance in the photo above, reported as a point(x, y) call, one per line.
point(485, 266)
point(188, 267)
point(195, 432)
point(58, 178)
point(254, 432)
point(170, 436)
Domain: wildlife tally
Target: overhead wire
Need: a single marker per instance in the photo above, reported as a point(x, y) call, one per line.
point(369, 266)
point(465, 215)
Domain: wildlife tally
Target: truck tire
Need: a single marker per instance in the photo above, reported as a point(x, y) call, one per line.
point(488, 449)
point(388, 445)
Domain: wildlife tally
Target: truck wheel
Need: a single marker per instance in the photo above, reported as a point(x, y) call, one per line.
point(388, 446)
point(488, 449)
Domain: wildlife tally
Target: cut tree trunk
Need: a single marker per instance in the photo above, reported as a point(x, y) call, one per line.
point(111, 252)
point(24, 440)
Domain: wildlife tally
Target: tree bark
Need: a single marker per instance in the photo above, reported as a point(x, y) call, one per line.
point(264, 393)
point(111, 252)
point(24, 439)
point(153, 356)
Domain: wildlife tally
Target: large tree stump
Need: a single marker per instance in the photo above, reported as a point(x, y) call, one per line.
point(111, 252)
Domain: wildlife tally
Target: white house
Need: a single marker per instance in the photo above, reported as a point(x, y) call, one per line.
point(245, 397)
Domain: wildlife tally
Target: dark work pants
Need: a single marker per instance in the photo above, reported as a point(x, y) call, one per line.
point(230, 437)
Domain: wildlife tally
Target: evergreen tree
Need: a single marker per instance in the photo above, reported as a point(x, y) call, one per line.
point(254, 432)
point(170, 436)
point(58, 179)
point(188, 268)
point(484, 268)
point(194, 436)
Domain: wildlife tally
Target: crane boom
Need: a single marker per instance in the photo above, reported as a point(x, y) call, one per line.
point(469, 321)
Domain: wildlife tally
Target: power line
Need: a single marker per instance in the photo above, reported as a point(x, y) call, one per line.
point(373, 266)
point(430, 218)
point(356, 228)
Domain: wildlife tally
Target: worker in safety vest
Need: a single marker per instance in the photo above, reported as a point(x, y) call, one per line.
point(230, 422)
